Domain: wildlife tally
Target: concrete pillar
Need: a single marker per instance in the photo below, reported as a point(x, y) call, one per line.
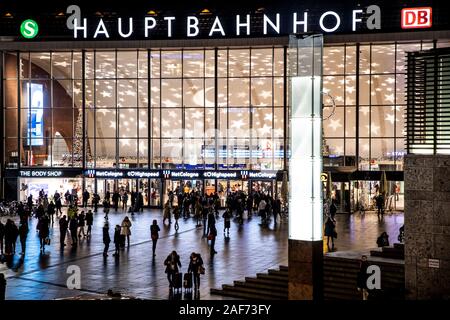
point(427, 226)
point(305, 270)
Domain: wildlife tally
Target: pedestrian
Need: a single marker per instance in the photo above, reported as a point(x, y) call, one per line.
point(227, 221)
point(89, 222)
point(172, 263)
point(117, 240)
point(115, 199)
point(106, 206)
point(166, 212)
point(23, 233)
point(14, 236)
point(2, 236)
point(212, 236)
point(58, 204)
point(126, 225)
point(2, 287)
point(85, 198)
point(176, 216)
point(106, 239)
point(383, 240)
point(63, 225)
point(43, 232)
point(81, 224)
point(51, 211)
point(154, 233)
point(95, 201)
point(330, 232)
point(73, 226)
point(196, 267)
point(362, 276)
point(379, 200)
point(276, 210)
point(125, 201)
point(205, 213)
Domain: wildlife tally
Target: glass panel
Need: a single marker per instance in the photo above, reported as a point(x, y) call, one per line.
point(62, 65)
point(143, 123)
point(194, 123)
point(239, 62)
point(155, 64)
point(105, 123)
point(193, 153)
point(127, 64)
point(334, 125)
point(105, 153)
point(105, 93)
point(209, 63)
point(350, 59)
point(128, 120)
point(333, 60)
point(262, 122)
point(382, 90)
point(171, 151)
point(238, 125)
point(143, 94)
point(383, 119)
point(261, 62)
point(142, 64)
point(383, 58)
point(171, 93)
point(105, 62)
point(261, 92)
point(193, 93)
point(238, 94)
point(278, 62)
point(40, 65)
point(171, 123)
point(171, 64)
point(11, 119)
point(62, 94)
point(350, 121)
point(193, 63)
point(364, 121)
point(127, 93)
point(156, 123)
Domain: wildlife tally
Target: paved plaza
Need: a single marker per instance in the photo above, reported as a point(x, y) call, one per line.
point(249, 250)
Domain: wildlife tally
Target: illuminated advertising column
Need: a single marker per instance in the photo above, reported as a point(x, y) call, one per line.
point(305, 168)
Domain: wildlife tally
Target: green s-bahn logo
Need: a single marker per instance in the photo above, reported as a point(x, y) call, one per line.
point(29, 29)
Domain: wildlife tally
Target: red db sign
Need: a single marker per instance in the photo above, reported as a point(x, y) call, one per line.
point(413, 18)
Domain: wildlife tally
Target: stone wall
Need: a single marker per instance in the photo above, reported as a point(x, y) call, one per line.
point(427, 226)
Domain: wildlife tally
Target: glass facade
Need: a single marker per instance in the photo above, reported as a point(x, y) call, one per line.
point(198, 108)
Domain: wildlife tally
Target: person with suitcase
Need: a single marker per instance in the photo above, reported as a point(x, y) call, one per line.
point(187, 282)
point(196, 269)
point(172, 264)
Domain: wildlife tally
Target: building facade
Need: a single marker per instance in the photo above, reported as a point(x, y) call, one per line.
point(196, 99)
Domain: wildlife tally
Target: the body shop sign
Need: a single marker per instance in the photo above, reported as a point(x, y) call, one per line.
point(236, 25)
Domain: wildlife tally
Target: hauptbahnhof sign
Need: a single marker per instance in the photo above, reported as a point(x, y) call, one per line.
point(157, 20)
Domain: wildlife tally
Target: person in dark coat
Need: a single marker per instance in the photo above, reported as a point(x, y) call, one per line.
point(330, 232)
point(2, 287)
point(106, 239)
point(58, 203)
point(23, 233)
point(43, 231)
point(212, 235)
point(362, 276)
point(95, 201)
point(195, 264)
point(154, 233)
point(2, 236)
point(89, 222)
point(51, 211)
point(63, 225)
point(383, 240)
point(73, 227)
point(85, 197)
point(115, 199)
point(117, 240)
point(81, 224)
point(227, 221)
point(172, 263)
point(140, 202)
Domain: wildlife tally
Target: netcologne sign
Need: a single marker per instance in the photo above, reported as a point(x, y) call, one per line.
point(192, 26)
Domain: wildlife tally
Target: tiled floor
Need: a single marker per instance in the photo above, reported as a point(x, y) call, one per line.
point(249, 250)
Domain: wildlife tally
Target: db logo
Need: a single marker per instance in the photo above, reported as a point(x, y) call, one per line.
point(413, 18)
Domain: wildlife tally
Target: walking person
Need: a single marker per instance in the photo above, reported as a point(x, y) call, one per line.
point(227, 222)
point(166, 212)
point(81, 224)
point(276, 210)
point(89, 222)
point(43, 232)
point(15, 235)
point(58, 204)
point(196, 267)
point(362, 276)
point(23, 233)
point(63, 225)
point(172, 264)
point(106, 206)
point(2, 287)
point(117, 241)
point(73, 226)
point(212, 236)
point(2, 236)
point(330, 233)
point(106, 239)
point(95, 201)
point(205, 213)
point(125, 201)
point(126, 231)
point(85, 197)
point(154, 233)
point(176, 216)
point(51, 211)
point(115, 199)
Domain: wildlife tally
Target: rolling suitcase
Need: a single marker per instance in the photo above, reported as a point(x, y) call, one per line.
point(178, 281)
point(187, 281)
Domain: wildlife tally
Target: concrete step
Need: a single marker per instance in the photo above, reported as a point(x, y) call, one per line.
point(278, 273)
point(256, 285)
point(267, 293)
point(284, 268)
point(270, 282)
point(399, 245)
point(388, 254)
point(272, 277)
point(241, 295)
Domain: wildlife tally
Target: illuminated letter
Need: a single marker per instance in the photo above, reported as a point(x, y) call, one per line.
point(338, 21)
point(304, 22)
point(355, 20)
point(239, 25)
point(216, 27)
point(169, 25)
point(192, 23)
point(130, 28)
point(75, 14)
point(76, 28)
point(274, 27)
point(147, 26)
point(101, 25)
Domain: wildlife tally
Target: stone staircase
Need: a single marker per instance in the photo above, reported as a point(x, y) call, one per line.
point(272, 285)
point(395, 252)
point(340, 274)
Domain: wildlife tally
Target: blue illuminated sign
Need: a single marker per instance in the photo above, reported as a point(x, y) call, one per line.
point(35, 123)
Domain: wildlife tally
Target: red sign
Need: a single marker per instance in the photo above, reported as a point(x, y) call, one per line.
point(413, 18)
